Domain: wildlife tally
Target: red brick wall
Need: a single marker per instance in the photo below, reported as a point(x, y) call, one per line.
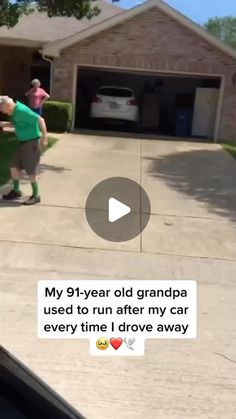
point(150, 41)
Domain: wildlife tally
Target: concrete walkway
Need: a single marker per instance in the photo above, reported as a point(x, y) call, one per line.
point(191, 235)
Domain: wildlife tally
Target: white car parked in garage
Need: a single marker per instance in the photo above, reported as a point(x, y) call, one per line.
point(115, 103)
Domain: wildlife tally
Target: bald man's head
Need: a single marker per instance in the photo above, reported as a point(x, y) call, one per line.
point(7, 105)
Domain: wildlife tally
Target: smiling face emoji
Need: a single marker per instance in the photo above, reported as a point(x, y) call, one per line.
point(102, 344)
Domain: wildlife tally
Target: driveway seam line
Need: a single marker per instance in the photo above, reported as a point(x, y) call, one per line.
point(152, 213)
point(115, 250)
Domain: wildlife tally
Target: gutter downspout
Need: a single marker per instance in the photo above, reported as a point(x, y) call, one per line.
point(50, 61)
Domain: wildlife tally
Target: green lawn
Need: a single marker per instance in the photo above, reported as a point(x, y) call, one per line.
point(230, 148)
point(8, 146)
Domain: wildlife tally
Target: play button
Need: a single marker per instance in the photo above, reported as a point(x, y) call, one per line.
point(118, 209)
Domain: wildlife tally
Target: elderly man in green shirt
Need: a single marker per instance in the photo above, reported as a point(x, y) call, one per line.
point(31, 131)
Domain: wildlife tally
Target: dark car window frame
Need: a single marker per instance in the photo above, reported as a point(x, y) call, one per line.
point(28, 394)
point(115, 92)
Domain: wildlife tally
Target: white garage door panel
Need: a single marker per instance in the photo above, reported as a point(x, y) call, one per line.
point(205, 107)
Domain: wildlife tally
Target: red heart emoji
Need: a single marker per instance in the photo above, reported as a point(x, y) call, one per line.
point(116, 342)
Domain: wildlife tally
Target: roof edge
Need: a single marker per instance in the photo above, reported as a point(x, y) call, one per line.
point(53, 49)
point(20, 42)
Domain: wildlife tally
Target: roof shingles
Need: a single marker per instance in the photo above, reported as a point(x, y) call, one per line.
point(40, 29)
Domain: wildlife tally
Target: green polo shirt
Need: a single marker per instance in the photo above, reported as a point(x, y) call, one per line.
point(26, 123)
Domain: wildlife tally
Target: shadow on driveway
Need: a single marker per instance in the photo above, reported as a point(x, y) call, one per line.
point(209, 176)
point(51, 168)
point(44, 168)
point(9, 204)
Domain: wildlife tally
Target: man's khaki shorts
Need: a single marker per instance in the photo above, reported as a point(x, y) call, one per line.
point(28, 157)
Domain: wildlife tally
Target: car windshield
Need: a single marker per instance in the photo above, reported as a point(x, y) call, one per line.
point(115, 92)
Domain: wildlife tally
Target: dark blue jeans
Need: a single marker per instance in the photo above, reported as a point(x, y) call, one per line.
point(37, 110)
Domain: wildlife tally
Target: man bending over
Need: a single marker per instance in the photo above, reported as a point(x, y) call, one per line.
point(31, 131)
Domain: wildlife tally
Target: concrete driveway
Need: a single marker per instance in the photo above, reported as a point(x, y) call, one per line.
point(191, 235)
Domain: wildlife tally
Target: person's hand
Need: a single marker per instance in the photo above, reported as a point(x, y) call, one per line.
point(5, 124)
point(44, 141)
point(2, 126)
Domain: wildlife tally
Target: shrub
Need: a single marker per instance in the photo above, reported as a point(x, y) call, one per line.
point(58, 115)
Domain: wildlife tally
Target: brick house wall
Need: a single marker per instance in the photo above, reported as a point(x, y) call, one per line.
point(150, 41)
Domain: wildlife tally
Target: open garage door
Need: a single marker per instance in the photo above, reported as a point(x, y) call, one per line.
point(168, 104)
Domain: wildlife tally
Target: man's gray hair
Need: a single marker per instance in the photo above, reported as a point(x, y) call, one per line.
point(36, 81)
point(4, 100)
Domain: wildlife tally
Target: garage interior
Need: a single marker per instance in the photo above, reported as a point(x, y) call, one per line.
point(169, 104)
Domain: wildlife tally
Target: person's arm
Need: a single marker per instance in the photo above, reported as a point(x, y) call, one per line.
point(43, 129)
point(45, 96)
point(5, 125)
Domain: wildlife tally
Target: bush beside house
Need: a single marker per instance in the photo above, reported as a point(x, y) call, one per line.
point(58, 116)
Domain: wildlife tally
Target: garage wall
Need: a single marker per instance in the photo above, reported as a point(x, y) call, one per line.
point(228, 116)
point(150, 41)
